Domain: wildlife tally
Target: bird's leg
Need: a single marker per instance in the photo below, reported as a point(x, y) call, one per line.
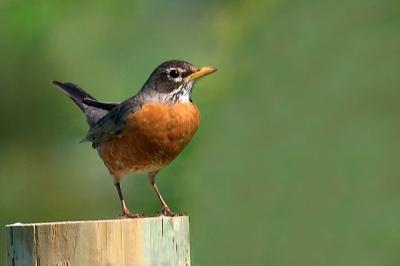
point(125, 211)
point(152, 179)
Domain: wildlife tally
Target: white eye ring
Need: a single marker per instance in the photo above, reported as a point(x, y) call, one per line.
point(174, 73)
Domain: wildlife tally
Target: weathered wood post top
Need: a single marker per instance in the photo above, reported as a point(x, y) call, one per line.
point(142, 241)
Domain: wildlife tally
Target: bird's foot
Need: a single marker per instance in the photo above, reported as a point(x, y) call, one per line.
point(130, 215)
point(167, 212)
point(126, 214)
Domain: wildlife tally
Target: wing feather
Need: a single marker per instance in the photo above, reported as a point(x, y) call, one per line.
point(111, 124)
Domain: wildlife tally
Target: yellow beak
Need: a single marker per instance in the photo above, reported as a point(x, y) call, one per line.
point(203, 71)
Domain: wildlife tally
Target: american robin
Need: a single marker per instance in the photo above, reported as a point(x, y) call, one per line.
point(146, 132)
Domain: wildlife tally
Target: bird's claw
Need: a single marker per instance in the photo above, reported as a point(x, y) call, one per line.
point(167, 212)
point(128, 215)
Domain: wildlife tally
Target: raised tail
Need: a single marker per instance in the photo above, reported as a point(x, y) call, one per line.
point(88, 104)
point(74, 92)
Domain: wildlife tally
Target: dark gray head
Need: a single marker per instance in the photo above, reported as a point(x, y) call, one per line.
point(172, 82)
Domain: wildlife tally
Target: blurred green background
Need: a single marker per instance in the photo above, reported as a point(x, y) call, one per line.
point(297, 158)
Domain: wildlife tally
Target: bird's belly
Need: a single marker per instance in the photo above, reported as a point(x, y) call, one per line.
point(151, 139)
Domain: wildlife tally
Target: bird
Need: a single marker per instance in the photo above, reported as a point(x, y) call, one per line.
point(147, 131)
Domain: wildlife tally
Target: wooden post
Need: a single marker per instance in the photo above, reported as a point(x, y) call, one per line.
point(143, 241)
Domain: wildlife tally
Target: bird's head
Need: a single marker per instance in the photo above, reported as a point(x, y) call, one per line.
point(172, 81)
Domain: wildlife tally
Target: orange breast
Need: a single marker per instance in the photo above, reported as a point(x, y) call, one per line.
point(151, 139)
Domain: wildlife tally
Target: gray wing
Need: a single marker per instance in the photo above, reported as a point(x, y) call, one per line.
point(111, 124)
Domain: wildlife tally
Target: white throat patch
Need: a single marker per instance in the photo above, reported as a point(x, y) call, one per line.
point(182, 94)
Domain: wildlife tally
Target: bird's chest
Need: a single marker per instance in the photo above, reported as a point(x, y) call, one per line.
point(152, 137)
point(162, 127)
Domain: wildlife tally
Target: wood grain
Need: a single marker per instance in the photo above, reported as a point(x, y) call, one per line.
point(144, 241)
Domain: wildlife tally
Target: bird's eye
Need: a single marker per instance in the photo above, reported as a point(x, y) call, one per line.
point(174, 73)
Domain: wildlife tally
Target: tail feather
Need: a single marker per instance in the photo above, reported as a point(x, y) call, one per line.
point(78, 95)
point(74, 92)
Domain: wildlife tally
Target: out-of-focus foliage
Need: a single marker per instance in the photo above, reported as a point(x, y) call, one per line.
point(296, 160)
